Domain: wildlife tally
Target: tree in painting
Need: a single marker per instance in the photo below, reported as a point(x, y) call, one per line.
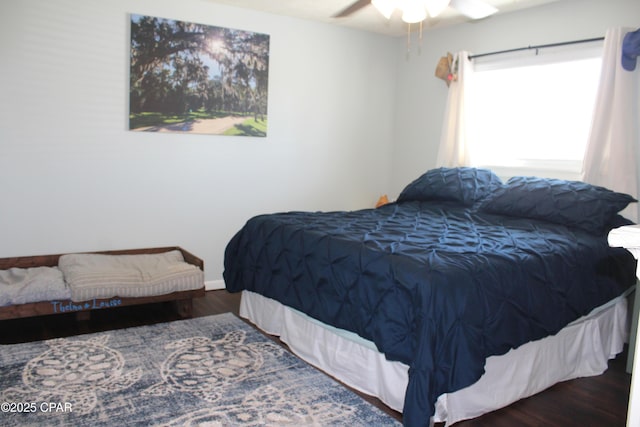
point(188, 77)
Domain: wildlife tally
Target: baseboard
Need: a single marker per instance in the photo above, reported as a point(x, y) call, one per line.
point(213, 285)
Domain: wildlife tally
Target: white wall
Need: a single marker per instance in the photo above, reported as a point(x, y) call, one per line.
point(75, 179)
point(422, 97)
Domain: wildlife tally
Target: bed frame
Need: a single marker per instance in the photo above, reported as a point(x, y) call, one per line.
point(183, 300)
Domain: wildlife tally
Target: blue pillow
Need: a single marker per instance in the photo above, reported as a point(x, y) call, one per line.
point(465, 185)
point(571, 203)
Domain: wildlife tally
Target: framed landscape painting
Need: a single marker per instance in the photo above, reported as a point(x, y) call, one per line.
point(195, 78)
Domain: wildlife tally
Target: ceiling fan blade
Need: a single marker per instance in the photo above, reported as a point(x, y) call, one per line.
point(354, 7)
point(474, 9)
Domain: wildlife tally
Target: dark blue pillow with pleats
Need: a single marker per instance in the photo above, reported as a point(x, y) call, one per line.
point(464, 185)
point(571, 203)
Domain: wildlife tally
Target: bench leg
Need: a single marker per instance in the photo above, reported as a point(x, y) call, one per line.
point(184, 308)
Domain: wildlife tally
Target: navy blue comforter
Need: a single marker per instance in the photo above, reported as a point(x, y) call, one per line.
point(434, 285)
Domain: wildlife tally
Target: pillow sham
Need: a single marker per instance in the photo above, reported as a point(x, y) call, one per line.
point(464, 184)
point(571, 203)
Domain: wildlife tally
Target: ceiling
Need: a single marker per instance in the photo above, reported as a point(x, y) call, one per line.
point(368, 18)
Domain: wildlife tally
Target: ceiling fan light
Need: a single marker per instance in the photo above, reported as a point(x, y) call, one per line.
point(385, 7)
point(436, 7)
point(413, 12)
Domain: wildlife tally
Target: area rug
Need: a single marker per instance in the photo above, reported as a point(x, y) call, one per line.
point(214, 370)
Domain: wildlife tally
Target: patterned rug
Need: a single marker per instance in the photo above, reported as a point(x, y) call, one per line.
point(214, 370)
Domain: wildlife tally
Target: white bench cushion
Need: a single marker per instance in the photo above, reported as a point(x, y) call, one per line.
point(92, 276)
point(26, 285)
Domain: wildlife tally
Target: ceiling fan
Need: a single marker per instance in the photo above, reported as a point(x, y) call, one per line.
point(418, 10)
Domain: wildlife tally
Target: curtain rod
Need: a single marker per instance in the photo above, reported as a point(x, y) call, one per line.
point(540, 46)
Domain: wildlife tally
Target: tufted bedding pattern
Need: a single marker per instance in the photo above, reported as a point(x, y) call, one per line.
point(437, 285)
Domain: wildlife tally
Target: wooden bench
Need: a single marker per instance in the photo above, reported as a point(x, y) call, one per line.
point(183, 300)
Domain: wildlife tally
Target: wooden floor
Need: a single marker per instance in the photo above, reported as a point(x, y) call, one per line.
point(595, 401)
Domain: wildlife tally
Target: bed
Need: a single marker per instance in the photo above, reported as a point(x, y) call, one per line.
point(461, 268)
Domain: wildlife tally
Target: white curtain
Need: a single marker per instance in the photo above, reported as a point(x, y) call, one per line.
point(453, 140)
point(611, 156)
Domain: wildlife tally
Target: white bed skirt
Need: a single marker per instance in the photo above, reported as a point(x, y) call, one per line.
point(581, 349)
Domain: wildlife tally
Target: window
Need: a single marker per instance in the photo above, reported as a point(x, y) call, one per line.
point(532, 114)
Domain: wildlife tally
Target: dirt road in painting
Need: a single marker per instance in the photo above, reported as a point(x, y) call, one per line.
point(210, 126)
